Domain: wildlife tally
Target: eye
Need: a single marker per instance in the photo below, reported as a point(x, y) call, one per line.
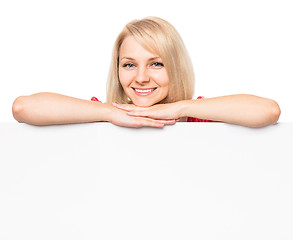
point(128, 65)
point(158, 64)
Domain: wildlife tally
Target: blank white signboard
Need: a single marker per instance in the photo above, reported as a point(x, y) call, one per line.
point(187, 181)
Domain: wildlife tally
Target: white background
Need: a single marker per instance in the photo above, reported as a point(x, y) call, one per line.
point(65, 46)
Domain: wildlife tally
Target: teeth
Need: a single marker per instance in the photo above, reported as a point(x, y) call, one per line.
point(144, 91)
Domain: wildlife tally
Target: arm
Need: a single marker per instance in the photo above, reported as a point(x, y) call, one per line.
point(51, 108)
point(241, 109)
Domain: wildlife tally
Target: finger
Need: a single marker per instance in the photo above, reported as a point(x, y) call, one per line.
point(154, 122)
point(171, 122)
point(168, 122)
point(138, 123)
point(141, 113)
point(150, 114)
point(126, 107)
point(145, 123)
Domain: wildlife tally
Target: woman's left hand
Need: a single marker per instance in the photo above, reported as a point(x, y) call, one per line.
point(165, 111)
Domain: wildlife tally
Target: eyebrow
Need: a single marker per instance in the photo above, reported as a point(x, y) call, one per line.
point(129, 58)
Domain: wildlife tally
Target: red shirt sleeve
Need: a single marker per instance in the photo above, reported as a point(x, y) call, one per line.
point(191, 119)
point(95, 99)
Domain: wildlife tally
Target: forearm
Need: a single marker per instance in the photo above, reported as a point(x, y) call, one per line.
point(52, 108)
point(242, 109)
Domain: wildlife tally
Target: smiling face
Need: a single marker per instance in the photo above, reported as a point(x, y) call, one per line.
point(142, 74)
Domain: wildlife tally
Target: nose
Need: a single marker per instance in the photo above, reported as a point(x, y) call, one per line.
point(142, 76)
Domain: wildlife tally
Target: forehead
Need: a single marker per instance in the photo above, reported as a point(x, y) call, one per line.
point(130, 47)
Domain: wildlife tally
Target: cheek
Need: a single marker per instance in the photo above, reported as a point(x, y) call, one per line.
point(163, 79)
point(124, 78)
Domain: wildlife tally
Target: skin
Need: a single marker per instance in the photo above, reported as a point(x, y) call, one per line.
point(140, 69)
point(136, 70)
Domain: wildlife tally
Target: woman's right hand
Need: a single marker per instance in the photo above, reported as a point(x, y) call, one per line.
point(121, 118)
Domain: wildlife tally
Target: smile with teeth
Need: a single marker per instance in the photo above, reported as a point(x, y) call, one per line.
point(144, 90)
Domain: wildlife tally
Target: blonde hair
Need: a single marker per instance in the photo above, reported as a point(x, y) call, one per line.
point(156, 36)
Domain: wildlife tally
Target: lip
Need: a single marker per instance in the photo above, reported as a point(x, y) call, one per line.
point(144, 93)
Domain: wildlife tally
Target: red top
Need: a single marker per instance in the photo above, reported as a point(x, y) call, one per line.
point(189, 119)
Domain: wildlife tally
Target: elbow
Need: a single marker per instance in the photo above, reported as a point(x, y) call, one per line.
point(18, 109)
point(274, 112)
point(270, 115)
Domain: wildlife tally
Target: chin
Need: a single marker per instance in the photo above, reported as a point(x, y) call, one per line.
point(142, 104)
point(146, 102)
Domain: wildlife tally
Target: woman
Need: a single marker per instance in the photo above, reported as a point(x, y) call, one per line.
point(151, 83)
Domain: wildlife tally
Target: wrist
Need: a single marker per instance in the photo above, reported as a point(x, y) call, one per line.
point(184, 108)
point(108, 112)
